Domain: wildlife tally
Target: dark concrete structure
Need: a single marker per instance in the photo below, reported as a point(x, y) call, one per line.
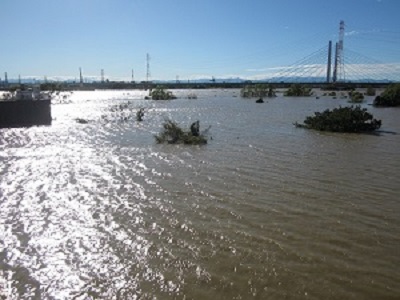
point(15, 114)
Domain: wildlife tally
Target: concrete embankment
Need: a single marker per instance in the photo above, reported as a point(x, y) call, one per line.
point(25, 113)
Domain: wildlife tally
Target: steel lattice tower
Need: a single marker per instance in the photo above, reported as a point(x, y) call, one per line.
point(147, 67)
point(80, 76)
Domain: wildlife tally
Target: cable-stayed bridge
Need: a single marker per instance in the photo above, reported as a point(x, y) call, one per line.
point(356, 67)
point(337, 65)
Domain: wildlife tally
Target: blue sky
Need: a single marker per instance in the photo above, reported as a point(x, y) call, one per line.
point(186, 38)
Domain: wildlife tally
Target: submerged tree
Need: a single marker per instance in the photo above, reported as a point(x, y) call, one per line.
point(160, 93)
point(342, 119)
point(356, 97)
point(298, 90)
point(370, 91)
point(140, 115)
point(257, 90)
point(173, 134)
point(389, 97)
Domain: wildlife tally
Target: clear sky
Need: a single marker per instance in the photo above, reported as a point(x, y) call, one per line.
point(185, 38)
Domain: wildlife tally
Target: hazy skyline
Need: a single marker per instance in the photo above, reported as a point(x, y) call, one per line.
point(185, 38)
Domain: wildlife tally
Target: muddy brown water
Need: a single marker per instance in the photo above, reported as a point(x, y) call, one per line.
point(263, 211)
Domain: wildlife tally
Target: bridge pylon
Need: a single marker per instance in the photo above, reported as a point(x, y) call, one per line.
point(338, 71)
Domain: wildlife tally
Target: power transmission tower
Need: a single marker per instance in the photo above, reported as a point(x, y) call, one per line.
point(102, 75)
point(133, 77)
point(80, 76)
point(147, 67)
point(5, 78)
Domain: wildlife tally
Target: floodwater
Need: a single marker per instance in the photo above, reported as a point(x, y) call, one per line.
point(265, 210)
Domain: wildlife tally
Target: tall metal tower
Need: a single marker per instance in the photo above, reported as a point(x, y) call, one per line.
point(133, 77)
point(5, 78)
point(338, 72)
point(102, 75)
point(335, 67)
point(341, 50)
point(80, 76)
point(147, 67)
point(328, 72)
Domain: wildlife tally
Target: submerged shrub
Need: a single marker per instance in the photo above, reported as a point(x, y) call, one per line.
point(160, 93)
point(140, 115)
point(298, 90)
point(192, 96)
point(342, 119)
point(370, 91)
point(389, 97)
point(356, 97)
point(173, 134)
point(257, 90)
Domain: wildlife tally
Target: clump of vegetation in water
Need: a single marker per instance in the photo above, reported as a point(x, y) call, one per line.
point(342, 119)
point(389, 97)
point(192, 96)
point(173, 134)
point(356, 97)
point(260, 100)
point(160, 93)
point(298, 90)
point(140, 115)
point(81, 121)
point(370, 91)
point(257, 90)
